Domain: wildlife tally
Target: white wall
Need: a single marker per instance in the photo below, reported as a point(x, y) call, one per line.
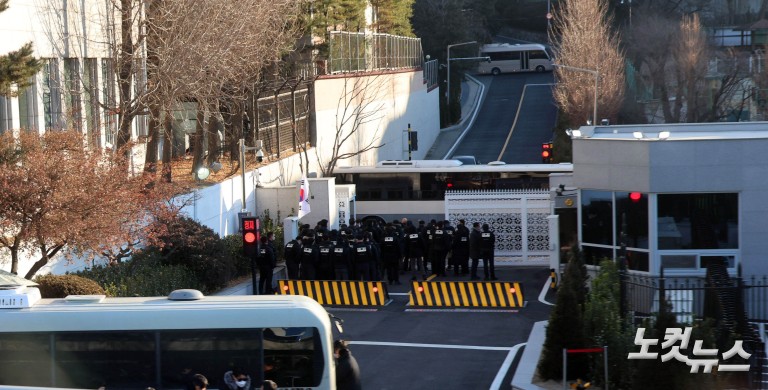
point(391, 101)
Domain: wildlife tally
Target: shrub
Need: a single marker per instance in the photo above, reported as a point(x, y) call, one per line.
point(192, 245)
point(59, 286)
point(144, 276)
point(233, 245)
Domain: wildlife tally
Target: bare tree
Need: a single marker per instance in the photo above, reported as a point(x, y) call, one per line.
point(221, 61)
point(586, 40)
point(358, 107)
point(681, 67)
point(691, 58)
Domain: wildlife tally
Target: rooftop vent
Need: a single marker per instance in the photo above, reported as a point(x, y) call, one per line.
point(186, 294)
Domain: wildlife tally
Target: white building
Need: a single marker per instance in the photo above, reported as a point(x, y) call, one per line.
point(77, 85)
point(684, 195)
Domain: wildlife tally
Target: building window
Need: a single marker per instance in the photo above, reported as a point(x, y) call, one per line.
point(6, 117)
point(72, 93)
point(108, 100)
point(28, 106)
point(596, 217)
point(52, 94)
point(632, 219)
point(615, 224)
point(91, 88)
point(698, 221)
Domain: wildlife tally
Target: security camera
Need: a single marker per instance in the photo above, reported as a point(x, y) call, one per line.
point(259, 155)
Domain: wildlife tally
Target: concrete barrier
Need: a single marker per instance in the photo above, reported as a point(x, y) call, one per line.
point(466, 294)
point(338, 292)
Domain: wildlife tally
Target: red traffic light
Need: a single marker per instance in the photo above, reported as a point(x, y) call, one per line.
point(251, 235)
point(546, 152)
point(635, 196)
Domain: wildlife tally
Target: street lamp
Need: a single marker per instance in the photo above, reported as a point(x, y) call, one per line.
point(448, 99)
point(597, 77)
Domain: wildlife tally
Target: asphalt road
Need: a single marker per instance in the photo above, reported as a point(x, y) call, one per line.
point(399, 347)
point(496, 120)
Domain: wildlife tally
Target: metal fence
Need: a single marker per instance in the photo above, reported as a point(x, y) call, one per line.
point(687, 296)
point(281, 118)
point(358, 52)
point(431, 74)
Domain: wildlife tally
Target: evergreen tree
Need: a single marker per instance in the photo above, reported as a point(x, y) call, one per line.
point(566, 324)
point(393, 16)
point(653, 374)
point(605, 327)
point(17, 67)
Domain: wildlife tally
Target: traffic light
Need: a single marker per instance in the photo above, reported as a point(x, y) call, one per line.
point(546, 152)
point(251, 236)
point(414, 140)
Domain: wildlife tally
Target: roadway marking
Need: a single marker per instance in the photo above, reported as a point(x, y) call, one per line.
point(503, 370)
point(463, 310)
point(543, 294)
point(517, 115)
point(439, 346)
point(505, 366)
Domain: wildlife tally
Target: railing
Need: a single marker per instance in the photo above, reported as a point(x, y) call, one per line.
point(687, 295)
point(359, 52)
point(431, 74)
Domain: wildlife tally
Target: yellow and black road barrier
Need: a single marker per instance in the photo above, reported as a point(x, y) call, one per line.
point(466, 294)
point(338, 292)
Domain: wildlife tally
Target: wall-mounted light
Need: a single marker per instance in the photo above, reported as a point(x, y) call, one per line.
point(664, 135)
point(202, 173)
point(638, 134)
point(573, 133)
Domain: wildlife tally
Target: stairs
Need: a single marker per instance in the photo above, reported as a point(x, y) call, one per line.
point(727, 306)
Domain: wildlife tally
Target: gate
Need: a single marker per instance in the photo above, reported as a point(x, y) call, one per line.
point(525, 235)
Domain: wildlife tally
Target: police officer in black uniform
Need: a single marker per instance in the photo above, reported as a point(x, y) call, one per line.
point(460, 248)
point(363, 256)
point(415, 252)
point(391, 254)
point(475, 244)
point(487, 247)
point(325, 263)
point(342, 263)
point(292, 254)
point(309, 257)
point(439, 249)
point(266, 261)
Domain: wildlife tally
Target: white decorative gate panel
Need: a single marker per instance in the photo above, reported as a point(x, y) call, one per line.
point(517, 217)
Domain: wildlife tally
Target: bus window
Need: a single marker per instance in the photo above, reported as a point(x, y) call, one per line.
point(113, 359)
point(294, 356)
point(209, 352)
point(504, 56)
point(25, 359)
point(538, 55)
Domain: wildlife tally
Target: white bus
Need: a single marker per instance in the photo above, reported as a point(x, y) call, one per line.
point(416, 189)
point(507, 57)
point(87, 342)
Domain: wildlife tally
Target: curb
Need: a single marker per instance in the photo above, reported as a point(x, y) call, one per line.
point(526, 368)
point(479, 97)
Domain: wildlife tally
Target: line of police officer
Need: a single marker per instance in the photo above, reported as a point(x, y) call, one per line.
point(372, 251)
